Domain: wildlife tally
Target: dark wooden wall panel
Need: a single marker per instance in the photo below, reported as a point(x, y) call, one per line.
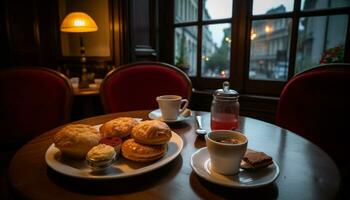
point(141, 22)
point(143, 29)
point(31, 32)
point(4, 47)
point(23, 33)
point(120, 29)
point(48, 32)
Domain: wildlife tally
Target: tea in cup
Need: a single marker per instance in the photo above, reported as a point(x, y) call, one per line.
point(226, 150)
point(171, 106)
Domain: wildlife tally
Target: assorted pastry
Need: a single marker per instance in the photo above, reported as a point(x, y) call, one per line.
point(76, 140)
point(143, 141)
point(151, 132)
point(120, 127)
point(139, 152)
point(148, 143)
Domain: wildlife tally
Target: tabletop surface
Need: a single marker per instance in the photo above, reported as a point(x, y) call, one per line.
point(93, 89)
point(306, 172)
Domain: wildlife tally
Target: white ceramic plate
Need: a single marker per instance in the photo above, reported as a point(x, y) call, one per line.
point(120, 169)
point(156, 114)
point(200, 163)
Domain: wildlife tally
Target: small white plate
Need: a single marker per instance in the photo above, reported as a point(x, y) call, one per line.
point(156, 114)
point(122, 168)
point(200, 162)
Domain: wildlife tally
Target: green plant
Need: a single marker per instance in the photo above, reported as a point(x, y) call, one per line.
point(333, 55)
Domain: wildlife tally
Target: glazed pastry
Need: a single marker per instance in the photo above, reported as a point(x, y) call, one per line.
point(120, 127)
point(76, 140)
point(142, 153)
point(151, 132)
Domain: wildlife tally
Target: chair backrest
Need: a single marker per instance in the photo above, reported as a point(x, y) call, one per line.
point(34, 100)
point(135, 86)
point(316, 105)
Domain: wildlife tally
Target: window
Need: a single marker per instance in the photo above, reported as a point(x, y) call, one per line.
point(257, 44)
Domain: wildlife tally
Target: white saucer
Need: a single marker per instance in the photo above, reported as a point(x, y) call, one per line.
point(156, 114)
point(200, 163)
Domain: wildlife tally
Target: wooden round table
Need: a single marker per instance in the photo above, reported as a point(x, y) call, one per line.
point(306, 172)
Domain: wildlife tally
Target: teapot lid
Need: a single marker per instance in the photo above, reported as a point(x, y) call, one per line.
point(226, 92)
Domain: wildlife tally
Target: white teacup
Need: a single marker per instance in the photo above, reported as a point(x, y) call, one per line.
point(225, 155)
point(75, 82)
point(98, 81)
point(170, 106)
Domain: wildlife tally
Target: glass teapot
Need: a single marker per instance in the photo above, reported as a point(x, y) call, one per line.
point(225, 109)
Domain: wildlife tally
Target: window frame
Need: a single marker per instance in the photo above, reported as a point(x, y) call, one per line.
point(241, 24)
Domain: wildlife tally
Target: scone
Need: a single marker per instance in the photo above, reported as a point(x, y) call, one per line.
point(142, 153)
point(76, 140)
point(120, 127)
point(151, 132)
point(255, 160)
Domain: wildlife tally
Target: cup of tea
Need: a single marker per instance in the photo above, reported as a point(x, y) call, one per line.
point(75, 82)
point(171, 106)
point(226, 150)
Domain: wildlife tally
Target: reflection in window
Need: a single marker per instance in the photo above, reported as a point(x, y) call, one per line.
point(269, 50)
point(261, 7)
point(318, 38)
point(185, 10)
point(321, 4)
point(216, 48)
point(217, 9)
point(186, 49)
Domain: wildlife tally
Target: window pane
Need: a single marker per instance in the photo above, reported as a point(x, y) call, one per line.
point(216, 48)
point(217, 9)
point(319, 36)
point(186, 49)
point(263, 7)
point(321, 4)
point(269, 49)
point(186, 10)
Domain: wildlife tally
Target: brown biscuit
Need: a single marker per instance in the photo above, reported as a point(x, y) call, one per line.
point(255, 160)
point(152, 132)
point(76, 140)
point(142, 153)
point(120, 127)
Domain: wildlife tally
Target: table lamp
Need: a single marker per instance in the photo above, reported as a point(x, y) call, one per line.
point(79, 22)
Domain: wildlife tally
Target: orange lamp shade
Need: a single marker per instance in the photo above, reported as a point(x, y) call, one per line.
point(78, 22)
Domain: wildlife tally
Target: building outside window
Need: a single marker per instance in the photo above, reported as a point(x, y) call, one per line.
point(280, 38)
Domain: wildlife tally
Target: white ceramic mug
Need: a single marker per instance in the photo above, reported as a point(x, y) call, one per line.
point(75, 82)
point(225, 158)
point(170, 106)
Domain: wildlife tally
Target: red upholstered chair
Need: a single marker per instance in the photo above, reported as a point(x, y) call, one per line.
point(316, 105)
point(135, 86)
point(33, 100)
